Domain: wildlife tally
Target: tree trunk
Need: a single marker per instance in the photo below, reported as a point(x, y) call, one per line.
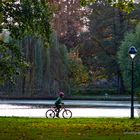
point(120, 87)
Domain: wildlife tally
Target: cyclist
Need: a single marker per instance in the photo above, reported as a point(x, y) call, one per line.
point(58, 103)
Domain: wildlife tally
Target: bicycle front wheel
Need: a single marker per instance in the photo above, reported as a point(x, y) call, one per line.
point(67, 114)
point(50, 113)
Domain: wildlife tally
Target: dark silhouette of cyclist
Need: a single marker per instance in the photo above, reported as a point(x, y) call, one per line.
point(58, 103)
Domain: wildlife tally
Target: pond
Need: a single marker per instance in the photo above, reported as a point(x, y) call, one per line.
point(84, 108)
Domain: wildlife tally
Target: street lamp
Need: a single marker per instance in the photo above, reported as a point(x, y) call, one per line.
point(132, 52)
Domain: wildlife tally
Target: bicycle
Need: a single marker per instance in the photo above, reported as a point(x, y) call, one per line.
point(51, 113)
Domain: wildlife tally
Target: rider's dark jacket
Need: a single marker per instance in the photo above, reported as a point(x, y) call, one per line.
point(58, 101)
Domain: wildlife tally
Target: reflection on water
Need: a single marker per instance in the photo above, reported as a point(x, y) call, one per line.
point(29, 111)
point(8, 106)
point(69, 103)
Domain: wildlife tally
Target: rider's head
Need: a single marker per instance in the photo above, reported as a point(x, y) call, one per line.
point(61, 94)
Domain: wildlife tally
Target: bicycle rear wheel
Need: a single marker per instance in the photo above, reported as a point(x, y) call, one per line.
point(50, 113)
point(67, 114)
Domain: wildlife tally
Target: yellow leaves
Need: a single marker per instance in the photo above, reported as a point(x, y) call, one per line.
point(124, 5)
point(86, 2)
point(79, 74)
point(1, 37)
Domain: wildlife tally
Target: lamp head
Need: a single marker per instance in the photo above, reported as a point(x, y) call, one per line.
point(132, 52)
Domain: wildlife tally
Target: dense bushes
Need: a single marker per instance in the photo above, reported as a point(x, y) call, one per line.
point(95, 91)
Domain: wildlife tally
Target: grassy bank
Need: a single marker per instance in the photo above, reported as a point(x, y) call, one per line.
point(71, 129)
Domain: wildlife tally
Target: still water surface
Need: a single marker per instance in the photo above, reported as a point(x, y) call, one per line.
point(37, 108)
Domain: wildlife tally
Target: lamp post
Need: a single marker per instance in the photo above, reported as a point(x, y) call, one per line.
point(132, 52)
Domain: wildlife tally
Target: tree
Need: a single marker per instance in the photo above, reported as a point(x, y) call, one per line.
point(26, 17)
point(131, 39)
point(124, 5)
point(20, 19)
point(11, 58)
point(107, 26)
point(67, 21)
point(78, 73)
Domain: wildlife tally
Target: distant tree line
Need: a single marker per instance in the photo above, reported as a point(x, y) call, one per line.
point(60, 46)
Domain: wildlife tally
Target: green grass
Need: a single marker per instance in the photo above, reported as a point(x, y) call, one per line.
point(69, 129)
